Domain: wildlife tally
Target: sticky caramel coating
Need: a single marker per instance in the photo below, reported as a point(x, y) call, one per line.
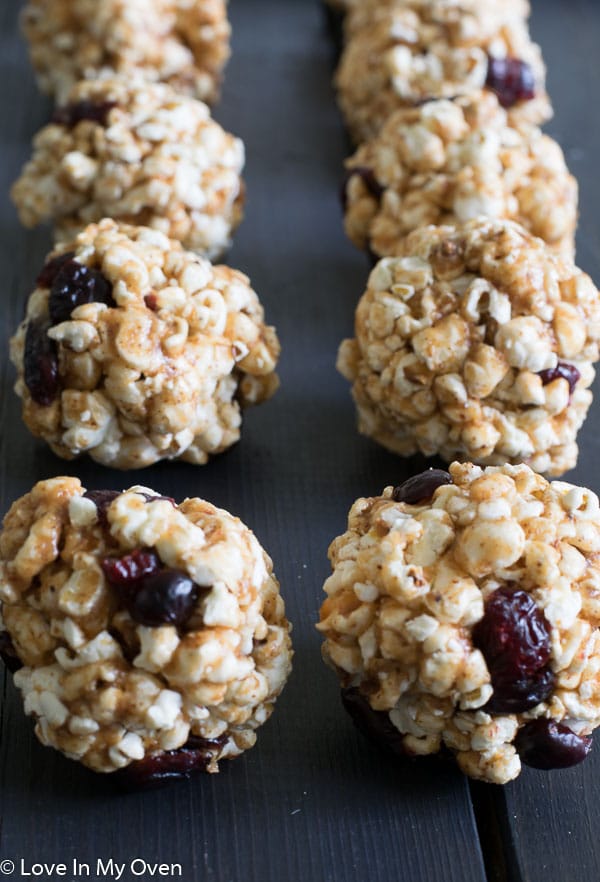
point(106, 690)
point(164, 373)
point(449, 161)
point(142, 155)
point(417, 50)
point(410, 582)
point(456, 341)
point(181, 42)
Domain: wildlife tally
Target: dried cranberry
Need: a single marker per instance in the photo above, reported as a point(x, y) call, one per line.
point(131, 568)
point(368, 178)
point(102, 499)
point(172, 765)
point(562, 371)
point(421, 487)
point(153, 595)
point(374, 725)
point(514, 637)
point(8, 653)
point(511, 79)
point(166, 597)
point(74, 285)
point(40, 363)
point(71, 114)
point(515, 696)
point(151, 301)
point(546, 744)
point(150, 497)
point(52, 268)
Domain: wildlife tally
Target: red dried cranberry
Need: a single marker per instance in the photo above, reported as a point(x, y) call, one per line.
point(40, 363)
point(562, 371)
point(154, 595)
point(546, 744)
point(150, 497)
point(131, 568)
point(421, 487)
point(514, 637)
point(8, 653)
point(151, 301)
point(511, 79)
point(374, 725)
point(102, 499)
point(171, 765)
point(166, 597)
point(71, 114)
point(515, 696)
point(74, 285)
point(52, 268)
point(367, 175)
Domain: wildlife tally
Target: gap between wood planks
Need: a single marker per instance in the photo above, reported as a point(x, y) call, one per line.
point(495, 838)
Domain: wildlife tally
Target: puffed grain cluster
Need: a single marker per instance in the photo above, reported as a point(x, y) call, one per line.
point(408, 52)
point(360, 13)
point(181, 42)
point(410, 582)
point(106, 690)
point(159, 372)
point(140, 153)
point(450, 161)
point(476, 343)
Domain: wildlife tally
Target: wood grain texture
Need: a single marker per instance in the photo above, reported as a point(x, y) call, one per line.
point(312, 801)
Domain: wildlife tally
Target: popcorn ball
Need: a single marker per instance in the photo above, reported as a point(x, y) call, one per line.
point(476, 343)
point(146, 636)
point(181, 42)
point(450, 161)
point(414, 51)
point(140, 153)
point(134, 350)
point(463, 613)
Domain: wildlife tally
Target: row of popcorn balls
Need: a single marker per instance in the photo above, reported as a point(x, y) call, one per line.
point(184, 43)
point(399, 53)
point(139, 153)
point(455, 619)
point(450, 150)
point(462, 615)
point(134, 350)
point(147, 638)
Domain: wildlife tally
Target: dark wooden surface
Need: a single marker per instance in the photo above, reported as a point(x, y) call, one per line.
point(312, 801)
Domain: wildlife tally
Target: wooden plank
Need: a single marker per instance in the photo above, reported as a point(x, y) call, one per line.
point(550, 821)
point(311, 801)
